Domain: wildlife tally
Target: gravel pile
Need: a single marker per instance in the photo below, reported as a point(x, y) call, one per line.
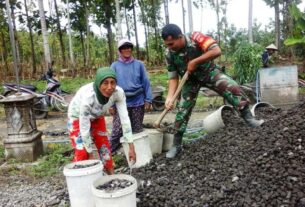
point(237, 166)
point(17, 191)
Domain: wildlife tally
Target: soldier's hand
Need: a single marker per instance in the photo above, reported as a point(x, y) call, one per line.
point(191, 66)
point(169, 105)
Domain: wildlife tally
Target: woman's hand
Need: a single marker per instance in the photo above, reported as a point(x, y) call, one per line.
point(132, 153)
point(90, 156)
point(147, 106)
point(112, 111)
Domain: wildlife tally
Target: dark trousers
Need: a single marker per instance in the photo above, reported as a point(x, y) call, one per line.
point(136, 116)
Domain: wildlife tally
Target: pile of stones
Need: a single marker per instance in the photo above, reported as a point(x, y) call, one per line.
point(237, 166)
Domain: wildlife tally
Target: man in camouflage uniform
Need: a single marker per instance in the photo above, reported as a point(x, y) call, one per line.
point(194, 53)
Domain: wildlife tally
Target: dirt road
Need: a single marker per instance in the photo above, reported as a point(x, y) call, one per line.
point(54, 127)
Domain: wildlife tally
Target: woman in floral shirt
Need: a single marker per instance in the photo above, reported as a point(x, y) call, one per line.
point(86, 118)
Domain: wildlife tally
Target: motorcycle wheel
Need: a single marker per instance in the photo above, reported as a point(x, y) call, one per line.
point(59, 103)
point(158, 103)
point(40, 114)
point(40, 109)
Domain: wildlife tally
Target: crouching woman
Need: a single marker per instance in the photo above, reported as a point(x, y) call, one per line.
point(86, 122)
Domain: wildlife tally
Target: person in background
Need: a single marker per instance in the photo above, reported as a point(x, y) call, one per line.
point(194, 54)
point(270, 50)
point(86, 122)
point(132, 78)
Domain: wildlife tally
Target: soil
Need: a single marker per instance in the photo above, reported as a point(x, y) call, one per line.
point(236, 166)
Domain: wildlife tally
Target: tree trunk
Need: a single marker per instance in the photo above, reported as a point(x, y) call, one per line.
point(12, 40)
point(183, 15)
point(87, 36)
point(218, 21)
point(135, 27)
point(118, 20)
point(109, 32)
point(166, 12)
point(250, 34)
point(45, 36)
point(70, 41)
point(110, 42)
point(62, 46)
point(127, 23)
point(144, 22)
point(16, 42)
point(277, 24)
point(190, 15)
point(31, 39)
point(4, 53)
point(83, 48)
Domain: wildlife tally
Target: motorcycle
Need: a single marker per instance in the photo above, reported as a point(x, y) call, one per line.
point(52, 96)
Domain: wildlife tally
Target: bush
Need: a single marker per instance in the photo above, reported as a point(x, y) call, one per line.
point(247, 61)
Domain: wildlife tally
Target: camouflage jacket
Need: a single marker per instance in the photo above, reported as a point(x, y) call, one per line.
point(196, 45)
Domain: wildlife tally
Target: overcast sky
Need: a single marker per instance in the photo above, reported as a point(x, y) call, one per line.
point(205, 19)
point(237, 13)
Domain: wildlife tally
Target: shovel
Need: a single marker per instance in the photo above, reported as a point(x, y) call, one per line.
point(162, 115)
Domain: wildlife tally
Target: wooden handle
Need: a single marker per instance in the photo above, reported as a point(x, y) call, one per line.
point(162, 115)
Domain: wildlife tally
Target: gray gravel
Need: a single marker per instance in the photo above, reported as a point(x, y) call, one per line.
point(20, 191)
point(238, 166)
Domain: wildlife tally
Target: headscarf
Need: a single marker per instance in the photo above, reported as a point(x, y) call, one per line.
point(101, 75)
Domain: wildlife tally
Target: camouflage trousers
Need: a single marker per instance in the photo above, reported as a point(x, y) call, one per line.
point(221, 83)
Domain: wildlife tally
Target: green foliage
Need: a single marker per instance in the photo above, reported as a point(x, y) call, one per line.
point(55, 157)
point(72, 85)
point(299, 28)
point(158, 79)
point(247, 60)
point(2, 152)
point(119, 160)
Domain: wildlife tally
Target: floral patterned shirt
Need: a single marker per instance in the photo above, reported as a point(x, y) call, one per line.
point(85, 107)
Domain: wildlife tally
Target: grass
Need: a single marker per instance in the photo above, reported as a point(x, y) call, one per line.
point(55, 156)
point(2, 155)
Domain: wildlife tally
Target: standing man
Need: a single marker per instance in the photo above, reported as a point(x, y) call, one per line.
point(194, 53)
point(132, 78)
point(270, 50)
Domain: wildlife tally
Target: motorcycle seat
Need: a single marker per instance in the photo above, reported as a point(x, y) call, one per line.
point(29, 87)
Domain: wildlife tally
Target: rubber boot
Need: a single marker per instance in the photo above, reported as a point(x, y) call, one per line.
point(176, 148)
point(249, 119)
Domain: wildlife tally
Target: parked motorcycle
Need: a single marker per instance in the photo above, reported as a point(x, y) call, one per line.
point(52, 96)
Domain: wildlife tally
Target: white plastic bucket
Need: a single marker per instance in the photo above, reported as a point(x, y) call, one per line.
point(168, 140)
point(258, 105)
point(142, 149)
point(214, 122)
point(124, 197)
point(79, 182)
point(155, 140)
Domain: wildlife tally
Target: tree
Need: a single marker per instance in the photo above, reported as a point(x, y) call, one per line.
point(29, 24)
point(45, 36)
point(104, 11)
point(250, 35)
point(62, 47)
